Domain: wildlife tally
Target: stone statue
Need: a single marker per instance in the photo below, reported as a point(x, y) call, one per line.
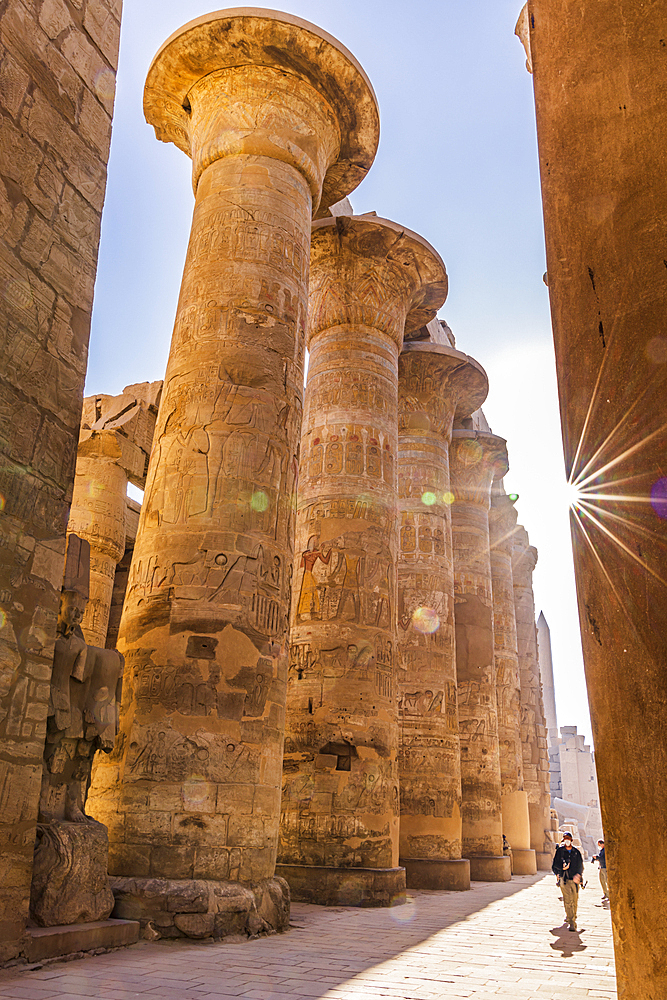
point(70, 882)
point(84, 704)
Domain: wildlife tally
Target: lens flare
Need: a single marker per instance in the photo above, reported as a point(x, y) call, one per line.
point(426, 620)
point(403, 908)
point(429, 498)
point(104, 85)
point(2, 503)
point(3, 619)
point(513, 497)
point(259, 501)
point(659, 498)
point(196, 790)
point(448, 498)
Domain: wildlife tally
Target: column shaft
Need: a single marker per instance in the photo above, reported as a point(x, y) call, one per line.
point(339, 832)
point(533, 728)
point(98, 515)
point(514, 800)
point(475, 459)
point(193, 790)
point(435, 383)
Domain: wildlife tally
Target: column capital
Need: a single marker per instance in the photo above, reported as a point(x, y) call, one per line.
point(524, 557)
point(502, 521)
point(437, 383)
point(477, 458)
point(367, 271)
point(264, 83)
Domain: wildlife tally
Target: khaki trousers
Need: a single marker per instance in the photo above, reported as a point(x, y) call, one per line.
point(570, 899)
point(603, 882)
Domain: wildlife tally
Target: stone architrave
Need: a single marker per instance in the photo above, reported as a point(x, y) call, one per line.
point(436, 384)
point(514, 799)
point(476, 459)
point(279, 119)
point(114, 447)
point(370, 281)
point(536, 777)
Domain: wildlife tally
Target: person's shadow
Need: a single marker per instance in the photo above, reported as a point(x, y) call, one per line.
point(567, 942)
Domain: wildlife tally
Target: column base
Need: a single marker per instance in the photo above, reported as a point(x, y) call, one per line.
point(524, 862)
point(489, 869)
point(422, 873)
point(199, 908)
point(544, 861)
point(344, 886)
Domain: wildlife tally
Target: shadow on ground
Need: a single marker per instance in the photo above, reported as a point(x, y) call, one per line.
point(324, 948)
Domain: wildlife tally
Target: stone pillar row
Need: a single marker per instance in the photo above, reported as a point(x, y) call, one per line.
point(385, 662)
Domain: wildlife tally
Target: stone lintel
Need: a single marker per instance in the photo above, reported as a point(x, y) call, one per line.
point(344, 886)
point(398, 279)
point(252, 36)
point(452, 372)
point(484, 868)
point(423, 873)
point(56, 942)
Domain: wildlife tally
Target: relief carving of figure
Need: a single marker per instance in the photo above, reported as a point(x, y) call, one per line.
point(309, 605)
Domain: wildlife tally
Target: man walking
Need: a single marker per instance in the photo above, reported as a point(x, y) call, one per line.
point(603, 870)
point(568, 867)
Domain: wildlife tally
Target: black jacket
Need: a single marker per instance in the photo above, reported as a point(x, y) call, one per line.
point(561, 856)
point(601, 858)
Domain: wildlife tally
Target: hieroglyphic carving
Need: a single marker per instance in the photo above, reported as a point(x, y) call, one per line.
point(345, 603)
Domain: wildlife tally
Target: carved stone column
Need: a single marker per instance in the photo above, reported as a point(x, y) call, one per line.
point(533, 727)
point(278, 119)
point(114, 446)
point(476, 460)
point(514, 799)
point(370, 281)
point(436, 383)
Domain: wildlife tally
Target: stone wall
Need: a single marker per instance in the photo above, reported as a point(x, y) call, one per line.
point(57, 83)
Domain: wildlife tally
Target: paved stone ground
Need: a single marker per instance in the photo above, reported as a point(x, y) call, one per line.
point(496, 941)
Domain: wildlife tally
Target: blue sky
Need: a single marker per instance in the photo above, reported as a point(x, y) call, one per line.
point(457, 163)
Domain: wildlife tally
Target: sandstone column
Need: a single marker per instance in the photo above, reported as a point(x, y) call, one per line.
point(514, 799)
point(476, 459)
point(601, 107)
point(278, 119)
point(114, 444)
point(370, 281)
point(436, 383)
point(533, 729)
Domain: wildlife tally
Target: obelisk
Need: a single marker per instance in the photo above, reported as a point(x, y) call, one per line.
point(436, 383)
point(476, 459)
point(514, 798)
point(370, 281)
point(280, 122)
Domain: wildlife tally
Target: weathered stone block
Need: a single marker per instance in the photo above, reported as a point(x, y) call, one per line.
point(70, 883)
point(195, 925)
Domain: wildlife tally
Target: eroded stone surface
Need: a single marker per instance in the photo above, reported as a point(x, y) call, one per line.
point(57, 82)
point(70, 884)
point(197, 908)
